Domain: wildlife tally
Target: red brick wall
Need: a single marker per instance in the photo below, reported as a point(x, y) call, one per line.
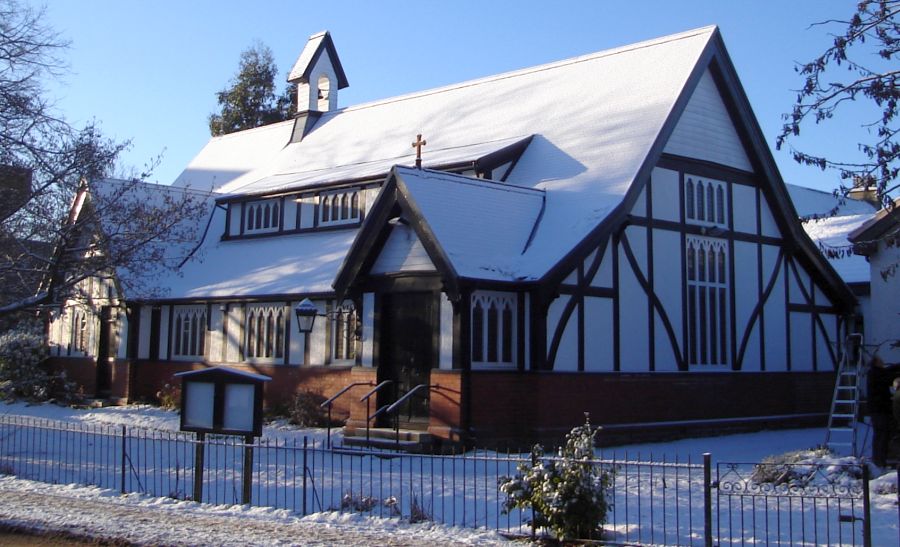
point(445, 404)
point(148, 377)
point(81, 370)
point(543, 406)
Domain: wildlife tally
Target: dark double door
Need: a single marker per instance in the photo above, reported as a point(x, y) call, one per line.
point(407, 352)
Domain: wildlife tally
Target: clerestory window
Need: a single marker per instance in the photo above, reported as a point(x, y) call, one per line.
point(189, 331)
point(493, 328)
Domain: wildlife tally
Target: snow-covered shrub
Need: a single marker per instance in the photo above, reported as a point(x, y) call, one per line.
point(22, 350)
point(169, 397)
point(568, 493)
point(22, 375)
point(306, 411)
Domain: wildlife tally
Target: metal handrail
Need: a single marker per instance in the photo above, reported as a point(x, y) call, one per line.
point(330, 403)
point(398, 403)
point(366, 398)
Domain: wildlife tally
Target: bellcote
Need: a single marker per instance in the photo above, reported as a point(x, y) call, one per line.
point(318, 74)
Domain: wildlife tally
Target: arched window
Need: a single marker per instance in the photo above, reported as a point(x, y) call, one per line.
point(691, 262)
point(326, 209)
point(720, 205)
point(689, 198)
point(324, 97)
point(711, 262)
point(189, 331)
point(267, 221)
point(707, 302)
point(710, 203)
point(276, 220)
point(478, 332)
point(251, 334)
point(721, 265)
point(258, 225)
point(493, 328)
point(354, 205)
point(345, 206)
point(506, 327)
point(701, 266)
point(340, 207)
point(270, 332)
point(701, 207)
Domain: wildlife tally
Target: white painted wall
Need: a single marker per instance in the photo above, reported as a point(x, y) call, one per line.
point(297, 343)
point(640, 206)
point(633, 318)
point(308, 93)
point(567, 354)
point(445, 359)
point(598, 334)
point(234, 222)
point(744, 208)
point(667, 281)
point(826, 340)
point(603, 278)
point(290, 212)
point(769, 227)
point(665, 192)
point(121, 336)
point(775, 319)
point(796, 294)
point(746, 291)
point(402, 252)
point(883, 323)
point(368, 329)
point(705, 130)
point(214, 339)
point(307, 211)
point(234, 319)
point(144, 336)
point(801, 341)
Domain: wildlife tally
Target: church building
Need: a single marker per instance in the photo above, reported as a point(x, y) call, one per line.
point(605, 234)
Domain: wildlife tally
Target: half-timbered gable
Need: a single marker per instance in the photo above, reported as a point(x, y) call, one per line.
point(574, 237)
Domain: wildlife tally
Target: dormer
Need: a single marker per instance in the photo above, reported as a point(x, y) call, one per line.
point(318, 74)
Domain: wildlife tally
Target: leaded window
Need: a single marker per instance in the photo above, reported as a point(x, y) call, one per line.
point(704, 201)
point(344, 323)
point(78, 340)
point(189, 331)
point(265, 332)
point(341, 207)
point(262, 216)
point(493, 328)
point(707, 301)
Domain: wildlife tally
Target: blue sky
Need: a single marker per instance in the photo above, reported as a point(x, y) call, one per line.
point(149, 71)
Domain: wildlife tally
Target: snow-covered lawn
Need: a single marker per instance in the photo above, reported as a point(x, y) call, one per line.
point(660, 503)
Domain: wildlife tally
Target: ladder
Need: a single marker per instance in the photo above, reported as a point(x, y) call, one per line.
point(843, 420)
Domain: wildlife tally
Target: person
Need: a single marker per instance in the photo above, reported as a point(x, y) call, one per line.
point(880, 409)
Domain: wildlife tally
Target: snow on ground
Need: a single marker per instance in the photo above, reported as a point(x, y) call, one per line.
point(104, 513)
point(142, 520)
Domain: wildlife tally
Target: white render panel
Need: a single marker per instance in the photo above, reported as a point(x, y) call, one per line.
point(371, 194)
point(744, 208)
point(446, 329)
point(705, 130)
point(667, 283)
point(640, 205)
point(796, 295)
point(297, 344)
point(234, 322)
point(307, 211)
point(883, 323)
point(801, 341)
point(664, 356)
point(214, 340)
point(402, 252)
point(144, 336)
point(824, 340)
point(746, 289)
point(604, 276)
point(234, 222)
point(665, 192)
point(121, 339)
point(767, 220)
point(774, 313)
point(290, 213)
point(633, 320)
point(164, 332)
point(598, 334)
point(567, 354)
point(572, 278)
point(368, 328)
point(589, 261)
point(318, 347)
point(751, 362)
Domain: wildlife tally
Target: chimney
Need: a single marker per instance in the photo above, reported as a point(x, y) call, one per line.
point(865, 193)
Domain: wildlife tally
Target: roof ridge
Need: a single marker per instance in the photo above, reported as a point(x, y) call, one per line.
point(528, 70)
point(465, 179)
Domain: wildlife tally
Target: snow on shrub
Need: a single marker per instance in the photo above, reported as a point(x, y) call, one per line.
point(567, 493)
point(22, 350)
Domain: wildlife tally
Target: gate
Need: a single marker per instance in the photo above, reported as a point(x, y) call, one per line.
point(793, 503)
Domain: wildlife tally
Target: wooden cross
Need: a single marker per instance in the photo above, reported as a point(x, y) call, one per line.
point(418, 146)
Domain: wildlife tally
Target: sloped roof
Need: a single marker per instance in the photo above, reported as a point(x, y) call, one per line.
point(812, 203)
point(595, 118)
point(311, 52)
point(483, 227)
point(830, 234)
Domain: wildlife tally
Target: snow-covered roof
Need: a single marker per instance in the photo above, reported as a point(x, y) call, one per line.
point(830, 234)
point(828, 220)
point(483, 227)
point(587, 163)
point(812, 203)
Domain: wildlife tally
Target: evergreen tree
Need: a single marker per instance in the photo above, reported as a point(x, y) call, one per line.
point(250, 100)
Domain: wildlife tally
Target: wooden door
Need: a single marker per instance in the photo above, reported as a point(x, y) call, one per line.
point(407, 352)
point(105, 353)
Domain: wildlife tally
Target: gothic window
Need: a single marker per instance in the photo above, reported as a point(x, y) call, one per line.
point(189, 331)
point(704, 201)
point(79, 331)
point(341, 207)
point(344, 325)
point(493, 328)
point(707, 288)
point(262, 216)
point(265, 327)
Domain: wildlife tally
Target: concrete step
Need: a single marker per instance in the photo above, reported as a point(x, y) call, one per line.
point(388, 433)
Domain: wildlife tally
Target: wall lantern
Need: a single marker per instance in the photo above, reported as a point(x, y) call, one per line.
point(306, 313)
